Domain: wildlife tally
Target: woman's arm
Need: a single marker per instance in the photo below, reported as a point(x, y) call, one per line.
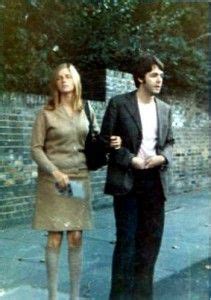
point(38, 154)
point(38, 142)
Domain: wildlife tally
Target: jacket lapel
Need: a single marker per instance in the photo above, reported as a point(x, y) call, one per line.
point(131, 105)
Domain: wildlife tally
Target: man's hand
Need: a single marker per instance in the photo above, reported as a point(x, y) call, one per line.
point(138, 162)
point(115, 141)
point(154, 161)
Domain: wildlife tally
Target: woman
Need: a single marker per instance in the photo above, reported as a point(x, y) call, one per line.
point(58, 139)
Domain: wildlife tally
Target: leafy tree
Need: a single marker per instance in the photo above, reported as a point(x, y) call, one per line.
point(39, 34)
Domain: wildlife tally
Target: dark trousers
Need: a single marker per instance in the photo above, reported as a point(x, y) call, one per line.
point(139, 219)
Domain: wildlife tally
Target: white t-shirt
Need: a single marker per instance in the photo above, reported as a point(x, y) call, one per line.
point(148, 116)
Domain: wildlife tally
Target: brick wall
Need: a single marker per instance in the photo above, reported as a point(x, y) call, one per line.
point(191, 152)
point(18, 172)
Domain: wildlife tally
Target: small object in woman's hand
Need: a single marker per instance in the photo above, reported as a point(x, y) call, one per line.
point(64, 191)
point(75, 188)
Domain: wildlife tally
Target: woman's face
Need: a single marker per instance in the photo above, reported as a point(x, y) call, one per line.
point(64, 81)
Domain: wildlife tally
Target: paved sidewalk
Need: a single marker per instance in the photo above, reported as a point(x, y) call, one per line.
point(181, 270)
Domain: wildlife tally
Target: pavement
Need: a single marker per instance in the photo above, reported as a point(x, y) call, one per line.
point(182, 270)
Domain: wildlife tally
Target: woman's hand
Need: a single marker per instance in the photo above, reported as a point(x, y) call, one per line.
point(115, 141)
point(61, 178)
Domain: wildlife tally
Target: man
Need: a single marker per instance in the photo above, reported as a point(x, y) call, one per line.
point(135, 177)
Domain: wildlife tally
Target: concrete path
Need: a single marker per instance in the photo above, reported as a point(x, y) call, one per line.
point(181, 271)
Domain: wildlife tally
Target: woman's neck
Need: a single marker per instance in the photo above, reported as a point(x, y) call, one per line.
point(67, 99)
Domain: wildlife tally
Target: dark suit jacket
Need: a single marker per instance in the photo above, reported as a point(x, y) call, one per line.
point(122, 118)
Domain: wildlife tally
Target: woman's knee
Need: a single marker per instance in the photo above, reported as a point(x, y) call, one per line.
point(54, 239)
point(74, 238)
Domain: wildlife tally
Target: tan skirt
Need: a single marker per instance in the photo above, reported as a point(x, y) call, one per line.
point(54, 212)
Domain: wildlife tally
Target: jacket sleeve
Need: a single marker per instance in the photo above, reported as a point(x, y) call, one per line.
point(38, 143)
point(167, 150)
point(109, 122)
point(122, 156)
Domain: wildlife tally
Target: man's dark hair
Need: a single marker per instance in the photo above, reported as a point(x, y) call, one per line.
point(144, 66)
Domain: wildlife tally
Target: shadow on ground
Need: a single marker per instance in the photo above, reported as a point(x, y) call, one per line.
point(191, 283)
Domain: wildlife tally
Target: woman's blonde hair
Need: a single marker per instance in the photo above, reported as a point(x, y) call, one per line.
point(55, 100)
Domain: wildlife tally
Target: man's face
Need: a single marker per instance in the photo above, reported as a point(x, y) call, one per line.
point(153, 81)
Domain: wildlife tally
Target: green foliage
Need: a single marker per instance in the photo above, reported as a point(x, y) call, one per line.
point(39, 34)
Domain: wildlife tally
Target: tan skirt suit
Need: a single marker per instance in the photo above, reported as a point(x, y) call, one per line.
point(58, 143)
